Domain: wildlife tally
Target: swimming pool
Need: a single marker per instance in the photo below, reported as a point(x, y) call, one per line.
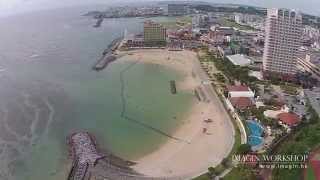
point(255, 134)
point(254, 141)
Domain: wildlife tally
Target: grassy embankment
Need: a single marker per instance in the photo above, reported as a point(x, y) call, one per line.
point(176, 23)
point(230, 23)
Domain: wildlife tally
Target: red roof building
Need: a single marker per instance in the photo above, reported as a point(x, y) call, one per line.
point(241, 103)
point(290, 119)
point(238, 88)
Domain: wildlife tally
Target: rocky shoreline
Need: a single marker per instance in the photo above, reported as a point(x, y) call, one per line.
point(89, 161)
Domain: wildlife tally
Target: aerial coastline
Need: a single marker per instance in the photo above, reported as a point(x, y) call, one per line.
point(183, 91)
point(173, 158)
point(202, 127)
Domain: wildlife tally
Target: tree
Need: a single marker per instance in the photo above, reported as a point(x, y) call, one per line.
point(245, 173)
point(226, 162)
point(244, 149)
point(212, 172)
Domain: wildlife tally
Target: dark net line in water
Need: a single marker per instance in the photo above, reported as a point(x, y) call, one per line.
point(124, 107)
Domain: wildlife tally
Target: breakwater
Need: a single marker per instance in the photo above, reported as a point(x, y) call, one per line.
point(88, 162)
point(84, 154)
point(173, 87)
point(108, 55)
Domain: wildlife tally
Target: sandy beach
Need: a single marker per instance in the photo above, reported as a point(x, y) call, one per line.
point(199, 150)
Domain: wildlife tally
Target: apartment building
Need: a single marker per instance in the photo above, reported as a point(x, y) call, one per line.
point(283, 38)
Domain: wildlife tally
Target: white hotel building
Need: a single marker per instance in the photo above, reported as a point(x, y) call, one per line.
point(283, 38)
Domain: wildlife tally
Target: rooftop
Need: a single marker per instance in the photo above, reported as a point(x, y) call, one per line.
point(241, 102)
point(218, 28)
point(150, 23)
point(289, 119)
point(239, 60)
point(238, 88)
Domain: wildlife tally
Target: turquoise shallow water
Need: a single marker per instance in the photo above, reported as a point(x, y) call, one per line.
point(48, 90)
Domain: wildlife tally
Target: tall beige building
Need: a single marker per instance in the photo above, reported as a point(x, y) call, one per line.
point(154, 34)
point(283, 38)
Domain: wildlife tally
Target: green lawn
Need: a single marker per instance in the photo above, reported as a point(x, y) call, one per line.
point(170, 24)
point(185, 19)
point(240, 173)
point(176, 23)
point(230, 23)
point(310, 174)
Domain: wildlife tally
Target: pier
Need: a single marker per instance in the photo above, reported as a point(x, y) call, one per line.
point(108, 55)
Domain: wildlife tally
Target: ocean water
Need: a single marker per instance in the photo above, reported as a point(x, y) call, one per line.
point(48, 91)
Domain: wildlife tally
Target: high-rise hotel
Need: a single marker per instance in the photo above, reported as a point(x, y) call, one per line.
point(154, 34)
point(283, 39)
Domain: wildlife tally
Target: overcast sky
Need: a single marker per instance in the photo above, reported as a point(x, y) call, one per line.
point(14, 6)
